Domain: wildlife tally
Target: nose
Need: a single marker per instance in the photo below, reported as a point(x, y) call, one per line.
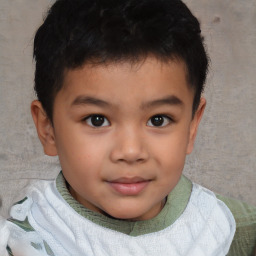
point(129, 146)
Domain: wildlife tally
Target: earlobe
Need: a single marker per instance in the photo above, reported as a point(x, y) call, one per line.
point(195, 124)
point(44, 128)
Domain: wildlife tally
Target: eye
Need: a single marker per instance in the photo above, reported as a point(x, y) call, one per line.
point(97, 121)
point(159, 121)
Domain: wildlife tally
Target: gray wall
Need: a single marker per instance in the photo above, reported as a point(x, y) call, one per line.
point(224, 158)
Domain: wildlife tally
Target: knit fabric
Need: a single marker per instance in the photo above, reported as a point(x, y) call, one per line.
point(45, 224)
point(175, 205)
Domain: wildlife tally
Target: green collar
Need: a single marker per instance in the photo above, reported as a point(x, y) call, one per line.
point(175, 205)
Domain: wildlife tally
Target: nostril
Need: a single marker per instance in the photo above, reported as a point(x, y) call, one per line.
point(130, 160)
point(129, 149)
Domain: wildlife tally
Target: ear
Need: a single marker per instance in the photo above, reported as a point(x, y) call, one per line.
point(44, 128)
point(194, 124)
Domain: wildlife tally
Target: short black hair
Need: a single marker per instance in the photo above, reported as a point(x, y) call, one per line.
point(76, 32)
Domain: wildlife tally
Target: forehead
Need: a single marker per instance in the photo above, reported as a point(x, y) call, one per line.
point(121, 81)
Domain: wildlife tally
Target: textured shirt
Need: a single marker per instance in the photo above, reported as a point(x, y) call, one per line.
point(244, 242)
point(177, 203)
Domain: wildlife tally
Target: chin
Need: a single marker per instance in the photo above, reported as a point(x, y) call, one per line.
point(120, 215)
point(128, 214)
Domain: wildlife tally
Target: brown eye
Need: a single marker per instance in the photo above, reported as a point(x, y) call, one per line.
point(97, 121)
point(159, 121)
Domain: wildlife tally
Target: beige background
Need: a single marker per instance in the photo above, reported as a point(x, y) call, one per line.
point(224, 158)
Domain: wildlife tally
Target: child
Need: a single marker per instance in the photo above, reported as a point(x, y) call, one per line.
point(119, 86)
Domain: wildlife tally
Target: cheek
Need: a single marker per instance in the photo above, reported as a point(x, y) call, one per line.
point(170, 153)
point(173, 147)
point(172, 164)
point(78, 153)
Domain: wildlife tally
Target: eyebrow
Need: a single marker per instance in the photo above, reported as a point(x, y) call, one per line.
point(87, 100)
point(169, 100)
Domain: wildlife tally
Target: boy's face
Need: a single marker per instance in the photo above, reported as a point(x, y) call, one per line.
point(122, 133)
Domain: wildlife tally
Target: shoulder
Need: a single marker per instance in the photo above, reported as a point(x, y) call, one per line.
point(211, 218)
point(208, 204)
point(17, 231)
point(244, 242)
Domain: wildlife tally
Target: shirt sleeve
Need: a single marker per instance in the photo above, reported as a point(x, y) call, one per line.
point(4, 235)
point(244, 242)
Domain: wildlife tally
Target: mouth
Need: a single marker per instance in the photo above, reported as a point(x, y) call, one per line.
point(129, 186)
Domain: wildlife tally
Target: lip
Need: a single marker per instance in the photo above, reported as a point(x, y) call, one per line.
point(129, 186)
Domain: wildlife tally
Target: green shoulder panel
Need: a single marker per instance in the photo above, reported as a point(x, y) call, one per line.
point(21, 201)
point(48, 249)
point(9, 251)
point(25, 225)
point(244, 242)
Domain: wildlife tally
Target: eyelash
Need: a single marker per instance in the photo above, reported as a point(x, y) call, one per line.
point(163, 120)
point(88, 120)
point(166, 120)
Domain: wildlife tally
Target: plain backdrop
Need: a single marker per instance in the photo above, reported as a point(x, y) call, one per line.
point(224, 158)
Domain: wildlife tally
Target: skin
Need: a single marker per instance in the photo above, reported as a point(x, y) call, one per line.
point(126, 166)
